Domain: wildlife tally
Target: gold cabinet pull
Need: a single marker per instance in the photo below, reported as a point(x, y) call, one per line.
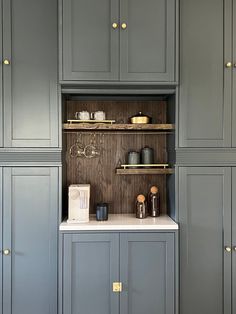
point(115, 25)
point(123, 25)
point(6, 62)
point(228, 64)
point(234, 248)
point(234, 65)
point(228, 249)
point(117, 286)
point(6, 252)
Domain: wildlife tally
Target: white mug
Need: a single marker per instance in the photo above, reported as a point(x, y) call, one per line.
point(98, 115)
point(82, 115)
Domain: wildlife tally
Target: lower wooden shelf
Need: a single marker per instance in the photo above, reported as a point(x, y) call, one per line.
point(122, 171)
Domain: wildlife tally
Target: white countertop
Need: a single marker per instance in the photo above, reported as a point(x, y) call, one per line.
point(122, 222)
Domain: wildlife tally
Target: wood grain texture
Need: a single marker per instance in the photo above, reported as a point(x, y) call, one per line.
point(106, 186)
point(144, 171)
point(119, 127)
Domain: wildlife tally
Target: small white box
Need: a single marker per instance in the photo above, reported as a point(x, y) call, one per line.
point(79, 197)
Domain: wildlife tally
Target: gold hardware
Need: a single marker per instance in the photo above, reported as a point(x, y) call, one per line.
point(6, 62)
point(235, 65)
point(228, 249)
point(6, 252)
point(117, 286)
point(114, 25)
point(228, 64)
point(234, 248)
point(124, 25)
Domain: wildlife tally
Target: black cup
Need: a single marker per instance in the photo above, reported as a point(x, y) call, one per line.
point(102, 211)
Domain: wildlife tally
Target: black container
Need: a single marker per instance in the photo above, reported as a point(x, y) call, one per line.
point(102, 211)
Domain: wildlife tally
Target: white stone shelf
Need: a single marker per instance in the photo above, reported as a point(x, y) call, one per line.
point(122, 222)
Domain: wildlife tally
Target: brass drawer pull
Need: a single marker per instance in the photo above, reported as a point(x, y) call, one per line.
point(117, 286)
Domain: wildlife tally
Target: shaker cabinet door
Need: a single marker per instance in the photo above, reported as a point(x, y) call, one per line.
point(30, 202)
point(30, 78)
point(1, 68)
point(90, 266)
point(1, 244)
point(234, 80)
point(205, 231)
point(147, 271)
point(234, 239)
point(90, 41)
point(147, 40)
point(205, 81)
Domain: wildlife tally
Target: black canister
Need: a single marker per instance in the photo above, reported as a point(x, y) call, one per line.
point(133, 158)
point(147, 155)
point(102, 211)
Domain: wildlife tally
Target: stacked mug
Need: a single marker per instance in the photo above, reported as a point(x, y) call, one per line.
point(85, 115)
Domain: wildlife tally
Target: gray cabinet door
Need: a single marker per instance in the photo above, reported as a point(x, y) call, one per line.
point(1, 247)
point(30, 202)
point(205, 82)
point(30, 80)
point(234, 78)
point(147, 45)
point(147, 273)
point(205, 229)
point(1, 65)
point(90, 266)
point(234, 239)
point(90, 43)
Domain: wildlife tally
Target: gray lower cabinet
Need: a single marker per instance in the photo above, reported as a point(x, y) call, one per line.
point(206, 116)
point(143, 262)
point(205, 218)
point(28, 259)
point(118, 40)
point(29, 73)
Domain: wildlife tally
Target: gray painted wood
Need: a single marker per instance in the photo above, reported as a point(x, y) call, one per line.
point(90, 44)
point(205, 83)
point(205, 229)
point(1, 247)
point(233, 240)
point(1, 65)
point(30, 81)
point(30, 202)
point(234, 79)
point(90, 265)
point(147, 45)
point(147, 271)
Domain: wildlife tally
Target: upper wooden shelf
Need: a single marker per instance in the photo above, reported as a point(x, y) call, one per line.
point(118, 127)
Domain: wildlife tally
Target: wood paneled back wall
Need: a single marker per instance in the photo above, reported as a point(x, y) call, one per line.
point(119, 191)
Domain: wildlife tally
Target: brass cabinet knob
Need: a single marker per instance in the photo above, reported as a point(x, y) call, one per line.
point(234, 248)
point(234, 65)
point(115, 25)
point(228, 64)
point(6, 252)
point(117, 286)
point(124, 25)
point(228, 249)
point(6, 62)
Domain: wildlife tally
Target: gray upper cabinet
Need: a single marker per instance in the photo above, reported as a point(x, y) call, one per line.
point(1, 64)
point(30, 202)
point(118, 40)
point(1, 247)
point(147, 272)
point(29, 65)
point(205, 79)
point(147, 40)
point(205, 232)
point(91, 265)
point(234, 79)
point(90, 43)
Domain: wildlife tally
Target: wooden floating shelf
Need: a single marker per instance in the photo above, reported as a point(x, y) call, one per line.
point(118, 127)
point(122, 171)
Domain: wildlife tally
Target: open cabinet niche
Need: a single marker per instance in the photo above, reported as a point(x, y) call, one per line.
point(114, 143)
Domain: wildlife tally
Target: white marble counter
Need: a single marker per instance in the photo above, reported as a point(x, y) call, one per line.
point(122, 222)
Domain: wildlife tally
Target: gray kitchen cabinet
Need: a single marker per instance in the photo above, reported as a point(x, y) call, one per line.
point(29, 243)
point(205, 103)
point(29, 65)
point(234, 240)
point(147, 272)
point(140, 46)
point(90, 264)
point(1, 247)
point(205, 219)
point(1, 102)
point(144, 263)
point(147, 44)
